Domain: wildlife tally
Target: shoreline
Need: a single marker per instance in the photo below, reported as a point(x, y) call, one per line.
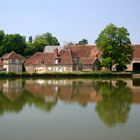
point(69, 75)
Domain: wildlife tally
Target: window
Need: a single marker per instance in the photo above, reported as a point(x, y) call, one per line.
point(49, 68)
point(56, 61)
point(42, 62)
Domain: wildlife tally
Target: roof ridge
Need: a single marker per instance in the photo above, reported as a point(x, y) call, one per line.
point(33, 55)
point(88, 58)
point(12, 55)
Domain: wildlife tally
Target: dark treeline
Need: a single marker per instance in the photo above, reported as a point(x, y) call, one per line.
point(18, 43)
point(28, 46)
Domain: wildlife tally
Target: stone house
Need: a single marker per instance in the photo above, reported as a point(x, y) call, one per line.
point(85, 57)
point(68, 59)
point(12, 62)
point(135, 64)
point(50, 62)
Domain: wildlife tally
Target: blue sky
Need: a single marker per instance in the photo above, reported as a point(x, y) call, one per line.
point(69, 20)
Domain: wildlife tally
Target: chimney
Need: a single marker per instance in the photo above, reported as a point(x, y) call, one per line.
point(56, 52)
point(56, 56)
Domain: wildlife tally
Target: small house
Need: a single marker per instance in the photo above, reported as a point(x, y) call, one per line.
point(13, 62)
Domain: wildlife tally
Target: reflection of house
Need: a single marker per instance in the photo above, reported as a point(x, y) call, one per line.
point(49, 89)
point(12, 89)
point(65, 90)
point(13, 62)
point(84, 92)
point(72, 58)
point(134, 85)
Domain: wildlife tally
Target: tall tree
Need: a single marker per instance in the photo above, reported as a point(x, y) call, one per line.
point(30, 39)
point(115, 44)
point(39, 43)
point(46, 40)
point(30, 49)
point(2, 35)
point(83, 42)
point(14, 42)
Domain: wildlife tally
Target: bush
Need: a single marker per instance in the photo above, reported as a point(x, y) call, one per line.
point(67, 75)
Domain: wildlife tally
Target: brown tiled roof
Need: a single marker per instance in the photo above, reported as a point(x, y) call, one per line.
point(12, 55)
point(66, 57)
point(83, 51)
point(40, 58)
point(87, 61)
point(69, 55)
point(49, 58)
point(136, 54)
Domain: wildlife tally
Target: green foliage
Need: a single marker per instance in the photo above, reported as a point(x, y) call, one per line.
point(2, 35)
point(30, 39)
point(69, 75)
point(106, 62)
point(83, 42)
point(14, 42)
point(17, 43)
point(121, 67)
point(24, 97)
point(29, 50)
point(46, 40)
point(70, 43)
point(115, 44)
point(39, 43)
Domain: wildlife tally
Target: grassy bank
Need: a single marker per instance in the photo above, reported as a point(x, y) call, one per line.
point(68, 75)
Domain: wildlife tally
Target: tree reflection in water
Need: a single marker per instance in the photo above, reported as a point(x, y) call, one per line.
point(38, 102)
point(115, 106)
point(13, 97)
point(7, 105)
point(113, 98)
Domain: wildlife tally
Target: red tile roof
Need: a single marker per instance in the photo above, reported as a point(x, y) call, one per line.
point(84, 51)
point(66, 57)
point(49, 58)
point(40, 58)
point(136, 54)
point(90, 51)
point(85, 54)
point(12, 55)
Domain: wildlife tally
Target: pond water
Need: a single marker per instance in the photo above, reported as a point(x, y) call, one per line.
point(42, 109)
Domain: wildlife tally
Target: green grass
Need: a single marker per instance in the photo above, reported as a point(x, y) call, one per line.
point(68, 75)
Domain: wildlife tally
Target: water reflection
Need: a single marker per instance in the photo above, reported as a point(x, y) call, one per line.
point(10, 96)
point(115, 106)
point(113, 98)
